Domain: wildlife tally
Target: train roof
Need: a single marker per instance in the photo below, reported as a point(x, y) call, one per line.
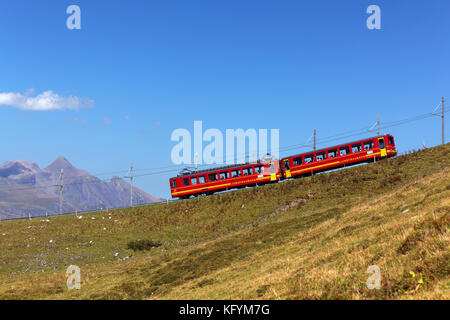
point(232, 166)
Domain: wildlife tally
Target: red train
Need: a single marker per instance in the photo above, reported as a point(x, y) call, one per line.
point(209, 181)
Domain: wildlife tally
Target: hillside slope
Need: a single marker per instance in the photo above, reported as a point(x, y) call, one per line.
point(311, 238)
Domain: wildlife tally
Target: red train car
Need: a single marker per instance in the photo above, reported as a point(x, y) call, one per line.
point(366, 150)
point(206, 182)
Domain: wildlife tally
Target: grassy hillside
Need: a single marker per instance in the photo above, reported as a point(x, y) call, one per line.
point(311, 238)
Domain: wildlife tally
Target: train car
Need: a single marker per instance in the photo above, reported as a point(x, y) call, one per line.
point(366, 150)
point(209, 181)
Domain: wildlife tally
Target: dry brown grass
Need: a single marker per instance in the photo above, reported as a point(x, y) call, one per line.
point(297, 270)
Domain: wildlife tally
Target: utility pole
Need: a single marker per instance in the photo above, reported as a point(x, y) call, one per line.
point(131, 176)
point(61, 187)
point(378, 124)
point(131, 179)
point(315, 139)
point(442, 117)
point(443, 112)
point(372, 128)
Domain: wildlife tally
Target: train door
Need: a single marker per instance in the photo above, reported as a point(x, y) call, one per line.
point(287, 168)
point(273, 172)
point(382, 146)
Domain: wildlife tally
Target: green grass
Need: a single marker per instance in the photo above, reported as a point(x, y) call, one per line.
point(310, 238)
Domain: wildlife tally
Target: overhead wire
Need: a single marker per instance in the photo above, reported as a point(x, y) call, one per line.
point(325, 140)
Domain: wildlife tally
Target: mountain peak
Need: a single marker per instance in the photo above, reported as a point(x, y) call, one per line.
point(60, 163)
point(61, 158)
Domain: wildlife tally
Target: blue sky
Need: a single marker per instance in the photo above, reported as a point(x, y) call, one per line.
point(150, 67)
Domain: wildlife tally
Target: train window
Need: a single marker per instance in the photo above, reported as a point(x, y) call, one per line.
point(212, 177)
point(356, 147)
point(259, 169)
point(298, 161)
point(250, 170)
point(320, 156)
point(344, 150)
point(174, 183)
point(309, 158)
point(332, 153)
point(391, 140)
point(245, 171)
point(194, 180)
point(236, 173)
point(368, 145)
point(286, 165)
point(201, 179)
point(381, 143)
point(224, 175)
point(186, 181)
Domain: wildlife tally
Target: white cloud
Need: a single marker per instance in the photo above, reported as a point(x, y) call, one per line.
point(46, 101)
